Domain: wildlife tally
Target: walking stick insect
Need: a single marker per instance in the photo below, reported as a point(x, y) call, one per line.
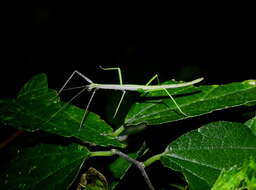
point(124, 87)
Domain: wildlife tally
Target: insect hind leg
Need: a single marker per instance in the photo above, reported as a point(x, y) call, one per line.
point(175, 103)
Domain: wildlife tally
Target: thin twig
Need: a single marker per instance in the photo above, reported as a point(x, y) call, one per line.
point(10, 139)
point(138, 164)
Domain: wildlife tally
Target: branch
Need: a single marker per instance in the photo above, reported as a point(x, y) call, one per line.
point(10, 139)
point(138, 164)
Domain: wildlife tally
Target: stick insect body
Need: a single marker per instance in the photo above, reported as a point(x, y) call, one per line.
point(125, 87)
point(134, 87)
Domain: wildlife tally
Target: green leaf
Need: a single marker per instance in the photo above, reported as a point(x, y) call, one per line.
point(39, 108)
point(201, 154)
point(120, 166)
point(45, 166)
point(237, 178)
point(193, 101)
point(252, 125)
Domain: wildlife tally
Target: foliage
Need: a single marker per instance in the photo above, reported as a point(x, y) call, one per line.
point(201, 155)
point(237, 178)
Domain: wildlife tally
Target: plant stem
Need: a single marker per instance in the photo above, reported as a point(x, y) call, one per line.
point(118, 131)
point(101, 153)
point(138, 164)
point(152, 159)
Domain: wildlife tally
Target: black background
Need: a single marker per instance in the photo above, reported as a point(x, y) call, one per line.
point(175, 41)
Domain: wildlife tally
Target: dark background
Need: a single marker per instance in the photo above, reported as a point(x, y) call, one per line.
point(179, 42)
point(175, 41)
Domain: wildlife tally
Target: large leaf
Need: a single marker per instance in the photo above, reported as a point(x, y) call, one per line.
point(44, 166)
point(39, 108)
point(193, 101)
point(201, 154)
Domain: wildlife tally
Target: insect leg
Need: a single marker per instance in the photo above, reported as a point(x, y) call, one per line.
point(118, 70)
point(175, 102)
point(156, 77)
point(86, 109)
point(67, 103)
point(153, 78)
point(120, 101)
point(121, 83)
